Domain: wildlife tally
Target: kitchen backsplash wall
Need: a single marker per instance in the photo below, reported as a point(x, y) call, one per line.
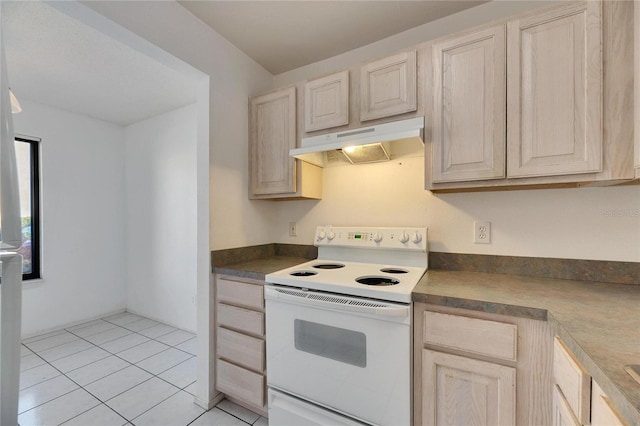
point(585, 223)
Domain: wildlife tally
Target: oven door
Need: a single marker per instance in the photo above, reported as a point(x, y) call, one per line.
point(349, 354)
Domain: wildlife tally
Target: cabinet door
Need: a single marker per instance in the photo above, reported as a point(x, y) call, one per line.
point(388, 86)
point(272, 129)
point(603, 413)
point(326, 102)
point(554, 92)
point(562, 414)
point(463, 391)
point(469, 107)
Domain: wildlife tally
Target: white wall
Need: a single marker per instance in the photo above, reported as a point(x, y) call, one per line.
point(232, 77)
point(161, 189)
point(235, 220)
point(586, 223)
point(82, 174)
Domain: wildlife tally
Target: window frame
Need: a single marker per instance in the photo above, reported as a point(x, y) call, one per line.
point(34, 148)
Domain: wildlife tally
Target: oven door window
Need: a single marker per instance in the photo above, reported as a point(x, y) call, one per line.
point(335, 343)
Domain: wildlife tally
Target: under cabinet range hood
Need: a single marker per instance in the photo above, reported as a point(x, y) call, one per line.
point(363, 145)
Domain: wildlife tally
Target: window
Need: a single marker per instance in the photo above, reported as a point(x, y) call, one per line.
point(27, 159)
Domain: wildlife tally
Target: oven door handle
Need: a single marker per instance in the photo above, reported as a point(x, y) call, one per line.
point(343, 304)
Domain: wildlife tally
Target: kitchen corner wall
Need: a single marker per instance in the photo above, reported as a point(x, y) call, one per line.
point(83, 261)
point(585, 223)
point(161, 191)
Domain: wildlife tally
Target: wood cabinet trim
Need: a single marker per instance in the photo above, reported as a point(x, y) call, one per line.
point(562, 414)
point(573, 380)
point(603, 413)
point(636, 14)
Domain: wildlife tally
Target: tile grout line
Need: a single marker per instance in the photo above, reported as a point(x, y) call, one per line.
point(127, 361)
point(233, 415)
point(100, 401)
point(61, 373)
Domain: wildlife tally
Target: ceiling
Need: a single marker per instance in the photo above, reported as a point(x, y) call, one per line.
point(284, 35)
point(57, 60)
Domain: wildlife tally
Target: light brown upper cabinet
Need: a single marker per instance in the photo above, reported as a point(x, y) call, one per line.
point(326, 102)
point(554, 92)
point(469, 107)
point(272, 133)
point(388, 86)
point(566, 78)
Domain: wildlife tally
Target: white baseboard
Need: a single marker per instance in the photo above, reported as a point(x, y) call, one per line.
point(71, 324)
point(208, 405)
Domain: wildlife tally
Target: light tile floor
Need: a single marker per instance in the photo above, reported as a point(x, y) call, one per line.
point(119, 370)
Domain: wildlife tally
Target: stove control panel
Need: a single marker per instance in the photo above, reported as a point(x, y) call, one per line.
point(414, 239)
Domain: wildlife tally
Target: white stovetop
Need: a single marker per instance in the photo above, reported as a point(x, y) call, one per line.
point(342, 280)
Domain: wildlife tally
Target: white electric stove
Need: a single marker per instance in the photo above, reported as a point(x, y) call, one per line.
point(378, 263)
point(338, 329)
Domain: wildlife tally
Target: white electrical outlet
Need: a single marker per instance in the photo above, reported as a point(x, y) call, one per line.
point(482, 232)
point(293, 229)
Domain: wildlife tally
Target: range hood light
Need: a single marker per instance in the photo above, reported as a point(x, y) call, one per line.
point(363, 154)
point(313, 149)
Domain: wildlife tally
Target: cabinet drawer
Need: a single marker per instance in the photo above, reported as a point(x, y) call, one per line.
point(242, 349)
point(241, 319)
point(573, 381)
point(240, 293)
point(240, 383)
point(562, 414)
point(602, 412)
point(478, 336)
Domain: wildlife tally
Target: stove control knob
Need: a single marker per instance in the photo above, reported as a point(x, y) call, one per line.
point(377, 237)
point(416, 238)
point(331, 235)
point(404, 237)
point(321, 235)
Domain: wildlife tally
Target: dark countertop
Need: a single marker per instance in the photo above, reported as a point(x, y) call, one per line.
point(599, 322)
point(258, 268)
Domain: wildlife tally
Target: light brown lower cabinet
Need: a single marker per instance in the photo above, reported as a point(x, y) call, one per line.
point(562, 413)
point(603, 412)
point(477, 368)
point(578, 400)
point(462, 391)
point(240, 345)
